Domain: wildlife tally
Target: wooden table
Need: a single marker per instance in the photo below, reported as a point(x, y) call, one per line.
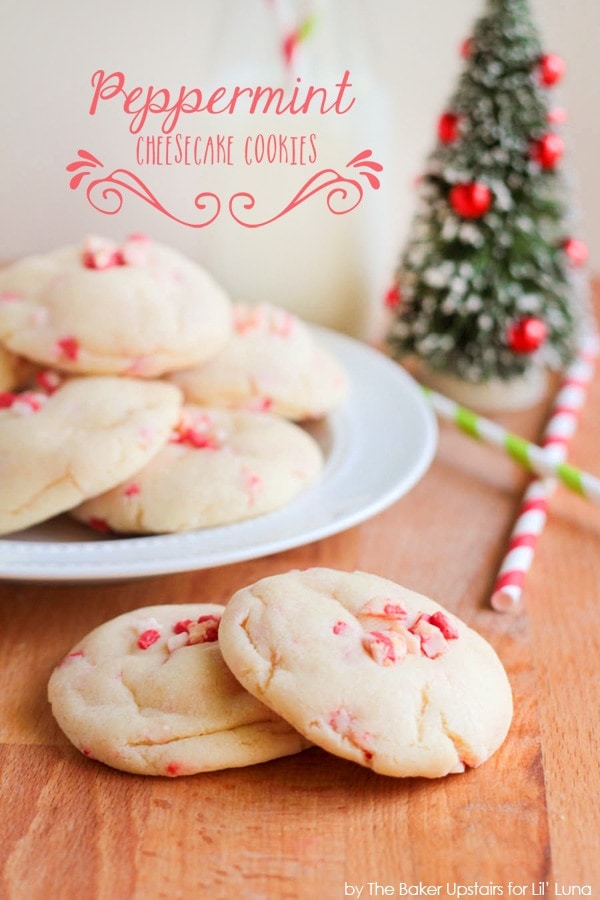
point(313, 826)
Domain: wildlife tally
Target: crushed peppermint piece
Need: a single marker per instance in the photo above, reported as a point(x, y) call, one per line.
point(340, 720)
point(340, 627)
point(252, 483)
point(413, 642)
point(99, 524)
point(260, 404)
point(132, 489)
point(205, 630)
point(441, 621)
point(147, 638)
point(194, 438)
point(383, 608)
point(176, 641)
point(100, 254)
point(196, 432)
point(386, 647)
point(68, 347)
point(48, 380)
point(7, 398)
point(183, 626)
point(247, 318)
point(433, 642)
point(28, 402)
point(344, 723)
point(102, 259)
point(134, 252)
point(423, 635)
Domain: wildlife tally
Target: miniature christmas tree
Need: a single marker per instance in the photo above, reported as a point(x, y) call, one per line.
point(486, 290)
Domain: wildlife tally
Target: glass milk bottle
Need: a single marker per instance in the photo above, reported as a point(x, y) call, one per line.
point(299, 226)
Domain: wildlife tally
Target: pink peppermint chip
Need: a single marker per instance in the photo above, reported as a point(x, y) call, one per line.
point(99, 524)
point(383, 608)
point(205, 630)
point(69, 348)
point(135, 251)
point(198, 439)
point(48, 380)
point(433, 642)
point(386, 647)
point(260, 404)
point(24, 403)
point(7, 398)
point(442, 622)
point(147, 638)
point(102, 258)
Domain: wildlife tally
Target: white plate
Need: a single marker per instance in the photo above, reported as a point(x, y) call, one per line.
point(377, 445)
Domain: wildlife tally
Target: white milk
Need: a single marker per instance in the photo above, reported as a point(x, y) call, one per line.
point(329, 268)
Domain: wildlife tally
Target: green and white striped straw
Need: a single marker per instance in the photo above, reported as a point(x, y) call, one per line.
point(529, 455)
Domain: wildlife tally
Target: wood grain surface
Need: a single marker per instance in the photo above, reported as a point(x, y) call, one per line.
point(524, 824)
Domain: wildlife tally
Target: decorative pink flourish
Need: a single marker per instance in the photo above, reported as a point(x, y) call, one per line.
point(340, 189)
point(343, 193)
point(112, 186)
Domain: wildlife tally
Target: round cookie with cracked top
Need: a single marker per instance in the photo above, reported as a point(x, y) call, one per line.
point(138, 308)
point(218, 467)
point(88, 434)
point(273, 362)
point(369, 671)
point(148, 692)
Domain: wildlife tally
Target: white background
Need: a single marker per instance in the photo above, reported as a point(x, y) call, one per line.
point(49, 52)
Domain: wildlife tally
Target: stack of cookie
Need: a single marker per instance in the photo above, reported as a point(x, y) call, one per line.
point(353, 663)
point(135, 395)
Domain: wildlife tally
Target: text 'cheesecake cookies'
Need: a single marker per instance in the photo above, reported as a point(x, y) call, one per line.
point(369, 671)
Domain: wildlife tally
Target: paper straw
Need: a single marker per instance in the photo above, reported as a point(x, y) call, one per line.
point(533, 513)
point(530, 456)
point(292, 32)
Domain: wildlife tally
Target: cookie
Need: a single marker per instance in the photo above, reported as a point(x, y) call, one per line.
point(136, 309)
point(149, 693)
point(89, 434)
point(219, 466)
point(274, 363)
point(369, 671)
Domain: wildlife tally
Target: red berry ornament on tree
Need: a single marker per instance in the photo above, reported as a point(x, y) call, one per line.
point(392, 298)
point(466, 48)
point(577, 251)
point(552, 69)
point(471, 200)
point(548, 151)
point(448, 127)
point(526, 335)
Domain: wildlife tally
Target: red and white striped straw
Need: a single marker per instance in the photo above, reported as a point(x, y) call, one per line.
point(533, 513)
point(292, 31)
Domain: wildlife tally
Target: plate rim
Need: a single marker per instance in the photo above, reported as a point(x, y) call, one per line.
point(352, 352)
